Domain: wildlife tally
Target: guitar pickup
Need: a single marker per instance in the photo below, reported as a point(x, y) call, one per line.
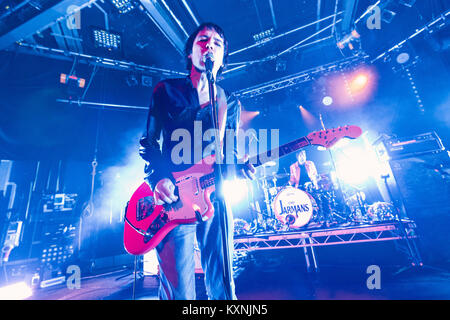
point(145, 207)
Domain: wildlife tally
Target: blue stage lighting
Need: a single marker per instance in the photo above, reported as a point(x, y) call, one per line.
point(356, 164)
point(327, 100)
point(235, 190)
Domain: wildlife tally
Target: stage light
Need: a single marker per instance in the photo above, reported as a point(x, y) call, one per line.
point(17, 291)
point(72, 80)
point(402, 58)
point(355, 34)
point(107, 40)
point(359, 82)
point(354, 169)
point(327, 100)
point(355, 164)
point(307, 116)
point(348, 40)
point(263, 36)
point(123, 6)
point(247, 116)
point(235, 190)
point(407, 3)
point(388, 15)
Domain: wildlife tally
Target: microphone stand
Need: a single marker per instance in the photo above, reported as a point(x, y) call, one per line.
point(340, 193)
point(221, 208)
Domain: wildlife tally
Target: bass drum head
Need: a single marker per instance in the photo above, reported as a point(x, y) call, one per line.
point(293, 207)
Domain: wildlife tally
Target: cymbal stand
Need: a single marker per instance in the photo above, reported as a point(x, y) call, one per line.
point(340, 194)
point(254, 209)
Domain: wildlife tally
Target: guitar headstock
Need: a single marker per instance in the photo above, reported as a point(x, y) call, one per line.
point(328, 138)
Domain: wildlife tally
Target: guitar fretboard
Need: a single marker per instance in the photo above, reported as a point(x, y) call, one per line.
point(209, 179)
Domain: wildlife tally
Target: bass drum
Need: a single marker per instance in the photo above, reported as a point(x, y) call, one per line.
point(294, 207)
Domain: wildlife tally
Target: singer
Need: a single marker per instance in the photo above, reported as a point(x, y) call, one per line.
point(177, 103)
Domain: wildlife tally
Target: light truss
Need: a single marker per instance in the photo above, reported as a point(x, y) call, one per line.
point(278, 36)
point(314, 238)
point(429, 27)
point(45, 19)
point(298, 78)
point(95, 60)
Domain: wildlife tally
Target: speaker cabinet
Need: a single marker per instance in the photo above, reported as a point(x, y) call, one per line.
point(420, 187)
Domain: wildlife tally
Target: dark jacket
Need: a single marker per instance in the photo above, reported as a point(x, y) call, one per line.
point(174, 105)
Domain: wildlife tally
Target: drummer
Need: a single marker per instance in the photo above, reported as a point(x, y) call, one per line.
point(303, 172)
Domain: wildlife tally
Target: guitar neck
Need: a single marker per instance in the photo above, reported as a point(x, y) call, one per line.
point(279, 152)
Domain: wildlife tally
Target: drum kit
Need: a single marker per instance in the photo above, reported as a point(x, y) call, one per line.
point(277, 206)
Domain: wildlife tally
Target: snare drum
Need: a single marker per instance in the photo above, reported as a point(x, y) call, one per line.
point(294, 207)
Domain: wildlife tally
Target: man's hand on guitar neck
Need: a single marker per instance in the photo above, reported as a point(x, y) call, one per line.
point(164, 192)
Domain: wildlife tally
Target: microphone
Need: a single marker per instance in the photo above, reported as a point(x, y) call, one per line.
point(209, 63)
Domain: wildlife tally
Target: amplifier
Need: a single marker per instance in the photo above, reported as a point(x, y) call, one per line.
point(420, 187)
point(397, 148)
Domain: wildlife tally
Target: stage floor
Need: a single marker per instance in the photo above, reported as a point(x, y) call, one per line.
point(281, 267)
point(282, 283)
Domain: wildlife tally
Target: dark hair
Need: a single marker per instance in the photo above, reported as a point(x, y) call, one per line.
point(190, 42)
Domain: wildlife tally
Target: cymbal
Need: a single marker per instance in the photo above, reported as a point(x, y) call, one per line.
point(269, 164)
point(275, 176)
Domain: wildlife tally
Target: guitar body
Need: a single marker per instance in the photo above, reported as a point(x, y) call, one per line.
point(146, 223)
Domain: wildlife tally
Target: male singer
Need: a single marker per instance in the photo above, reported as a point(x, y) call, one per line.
point(177, 104)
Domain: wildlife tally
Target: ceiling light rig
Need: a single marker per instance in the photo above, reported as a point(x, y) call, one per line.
point(107, 40)
point(123, 6)
point(350, 41)
point(264, 36)
point(415, 90)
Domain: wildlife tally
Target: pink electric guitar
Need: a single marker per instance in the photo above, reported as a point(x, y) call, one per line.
point(146, 223)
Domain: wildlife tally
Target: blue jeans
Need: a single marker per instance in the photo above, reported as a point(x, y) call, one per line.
point(177, 266)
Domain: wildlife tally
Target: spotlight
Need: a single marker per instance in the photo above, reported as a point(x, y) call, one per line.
point(355, 34)
point(107, 40)
point(131, 80)
point(359, 82)
point(123, 6)
point(247, 116)
point(356, 163)
point(349, 40)
point(77, 82)
point(356, 166)
point(17, 291)
point(146, 81)
point(263, 36)
point(387, 15)
point(402, 58)
point(307, 116)
point(235, 190)
point(327, 100)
